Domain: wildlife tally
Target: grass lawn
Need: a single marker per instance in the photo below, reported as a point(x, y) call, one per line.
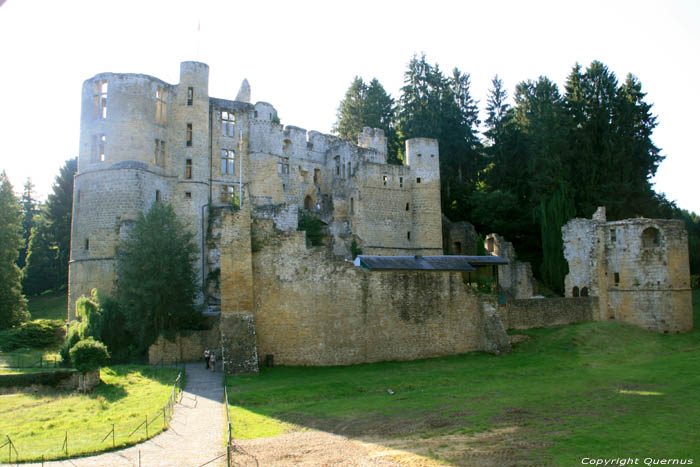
point(602, 390)
point(49, 306)
point(37, 422)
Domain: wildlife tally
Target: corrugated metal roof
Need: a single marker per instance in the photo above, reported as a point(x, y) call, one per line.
point(426, 263)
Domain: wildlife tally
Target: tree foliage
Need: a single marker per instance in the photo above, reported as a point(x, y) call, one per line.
point(30, 208)
point(88, 355)
point(157, 280)
point(41, 270)
point(59, 209)
point(368, 105)
point(13, 306)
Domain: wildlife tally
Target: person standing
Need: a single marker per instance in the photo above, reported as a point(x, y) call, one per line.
point(206, 358)
point(212, 362)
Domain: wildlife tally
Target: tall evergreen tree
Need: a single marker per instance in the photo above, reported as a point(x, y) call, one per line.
point(29, 208)
point(59, 208)
point(13, 306)
point(40, 272)
point(157, 281)
point(497, 111)
point(367, 105)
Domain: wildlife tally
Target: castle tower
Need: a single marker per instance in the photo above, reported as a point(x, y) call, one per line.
point(423, 157)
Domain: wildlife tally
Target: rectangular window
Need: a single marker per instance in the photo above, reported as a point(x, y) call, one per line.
point(617, 278)
point(100, 99)
point(613, 235)
point(228, 123)
point(227, 192)
point(400, 182)
point(408, 235)
point(98, 148)
point(188, 135)
point(188, 168)
point(157, 195)
point(228, 161)
point(349, 169)
point(161, 114)
point(317, 176)
point(384, 179)
point(159, 156)
point(282, 168)
point(190, 95)
point(87, 243)
point(418, 180)
point(352, 205)
point(188, 195)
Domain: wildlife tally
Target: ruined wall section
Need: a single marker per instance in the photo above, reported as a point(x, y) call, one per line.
point(547, 312)
point(313, 309)
point(515, 279)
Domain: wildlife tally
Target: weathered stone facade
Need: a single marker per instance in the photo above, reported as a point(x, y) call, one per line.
point(638, 269)
point(515, 279)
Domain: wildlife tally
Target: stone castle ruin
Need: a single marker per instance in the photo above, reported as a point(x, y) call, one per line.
point(241, 181)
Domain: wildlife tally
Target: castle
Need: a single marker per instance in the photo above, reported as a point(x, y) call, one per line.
point(240, 181)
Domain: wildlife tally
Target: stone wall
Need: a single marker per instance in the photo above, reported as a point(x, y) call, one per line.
point(68, 379)
point(313, 309)
point(547, 312)
point(515, 279)
point(186, 346)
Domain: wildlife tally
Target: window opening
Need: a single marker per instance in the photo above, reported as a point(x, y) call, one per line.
point(188, 135)
point(99, 142)
point(228, 123)
point(349, 169)
point(161, 94)
point(317, 176)
point(400, 182)
point(650, 237)
point(100, 99)
point(188, 195)
point(419, 155)
point(283, 168)
point(613, 235)
point(458, 248)
point(157, 195)
point(418, 180)
point(407, 206)
point(87, 243)
point(584, 292)
point(190, 95)
point(228, 161)
point(227, 193)
point(574, 292)
point(408, 235)
point(159, 156)
point(384, 179)
point(617, 278)
point(188, 168)
point(352, 205)
point(308, 203)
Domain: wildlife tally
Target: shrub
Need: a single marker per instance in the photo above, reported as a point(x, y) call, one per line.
point(313, 228)
point(72, 338)
point(695, 281)
point(88, 355)
point(34, 334)
point(355, 250)
point(46, 378)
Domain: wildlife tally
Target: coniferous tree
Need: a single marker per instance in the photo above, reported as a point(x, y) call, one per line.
point(13, 306)
point(157, 281)
point(40, 272)
point(59, 209)
point(29, 208)
point(367, 105)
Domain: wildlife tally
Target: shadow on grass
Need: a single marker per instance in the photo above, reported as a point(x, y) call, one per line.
point(110, 392)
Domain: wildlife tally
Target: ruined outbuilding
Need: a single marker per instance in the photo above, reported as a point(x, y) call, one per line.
point(638, 269)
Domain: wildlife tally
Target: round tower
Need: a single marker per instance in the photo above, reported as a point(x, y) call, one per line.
point(423, 158)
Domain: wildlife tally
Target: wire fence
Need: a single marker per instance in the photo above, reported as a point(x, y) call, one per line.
point(22, 361)
point(228, 427)
point(76, 442)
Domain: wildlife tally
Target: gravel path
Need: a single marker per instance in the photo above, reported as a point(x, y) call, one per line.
point(194, 438)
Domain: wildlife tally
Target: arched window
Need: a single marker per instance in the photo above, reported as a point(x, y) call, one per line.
point(575, 291)
point(650, 237)
point(584, 292)
point(308, 203)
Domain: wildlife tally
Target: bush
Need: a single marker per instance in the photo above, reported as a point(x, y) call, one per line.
point(88, 355)
point(313, 228)
point(72, 338)
point(46, 378)
point(34, 334)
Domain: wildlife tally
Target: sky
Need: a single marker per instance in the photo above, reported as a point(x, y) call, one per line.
point(301, 57)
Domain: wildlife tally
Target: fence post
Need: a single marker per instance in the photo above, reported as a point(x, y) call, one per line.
point(65, 441)
point(146, 425)
point(165, 425)
point(113, 445)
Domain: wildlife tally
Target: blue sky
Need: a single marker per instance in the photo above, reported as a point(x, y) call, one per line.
point(301, 57)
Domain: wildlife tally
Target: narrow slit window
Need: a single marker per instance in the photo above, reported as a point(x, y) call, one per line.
point(190, 95)
point(228, 123)
point(617, 278)
point(384, 180)
point(157, 195)
point(188, 135)
point(161, 114)
point(408, 206)
point(159, 156)
point(613, 235)
point(100, 99)
point(99, 148)
point(408, 235)
point(188, 169)
point(228, 161)
point(352, 205)
point(418, 180)
point(317, 176)
point(349, 169)
point(87, 244)
point(400, 182)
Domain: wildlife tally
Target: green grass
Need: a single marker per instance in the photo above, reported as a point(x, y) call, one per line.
point(603, 390)
point(37, 422)
point(49, 306)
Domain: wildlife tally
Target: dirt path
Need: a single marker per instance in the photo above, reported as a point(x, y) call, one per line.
point(194, 438)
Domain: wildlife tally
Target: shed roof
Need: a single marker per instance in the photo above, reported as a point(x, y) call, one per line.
point(425, 263)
